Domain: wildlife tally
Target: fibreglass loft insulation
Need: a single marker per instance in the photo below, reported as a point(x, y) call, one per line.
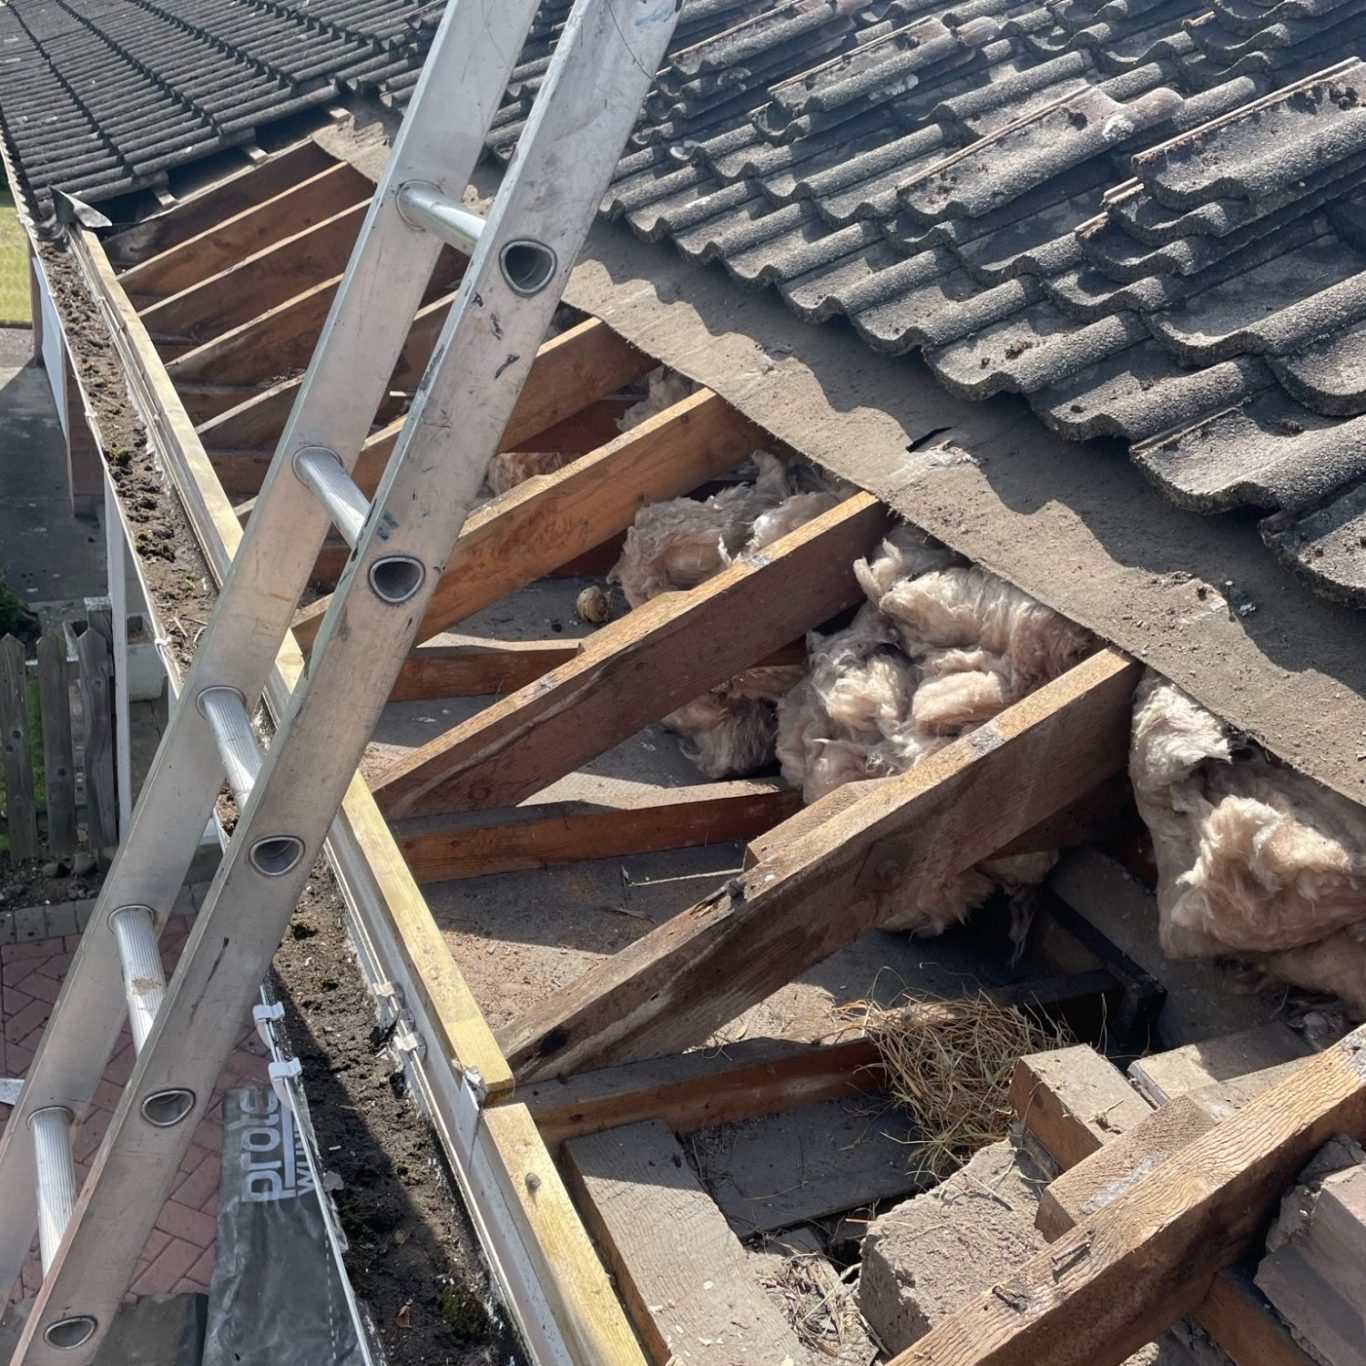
point(1073, 524)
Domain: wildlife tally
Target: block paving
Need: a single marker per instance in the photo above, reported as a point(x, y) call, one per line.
point(179, 1254)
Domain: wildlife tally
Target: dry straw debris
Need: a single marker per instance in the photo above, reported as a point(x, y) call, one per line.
point(819, 1302)
point(949, 1065)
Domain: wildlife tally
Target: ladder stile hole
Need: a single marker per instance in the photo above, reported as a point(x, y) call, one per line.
point(67, 1334)
point(165, 1109)
point(276, 854)
point(528, 266)
point(395, 578)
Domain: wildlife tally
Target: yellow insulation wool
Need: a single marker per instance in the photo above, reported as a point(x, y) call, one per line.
point(1253, 859)
point(939, 648)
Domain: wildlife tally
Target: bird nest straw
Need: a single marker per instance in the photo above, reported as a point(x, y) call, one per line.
point(949, 1064)
point(818, 1301)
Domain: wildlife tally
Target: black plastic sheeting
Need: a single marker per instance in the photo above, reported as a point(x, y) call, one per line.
point(276, 1298)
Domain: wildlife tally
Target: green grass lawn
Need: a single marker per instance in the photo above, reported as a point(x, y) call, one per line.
point(14, 296)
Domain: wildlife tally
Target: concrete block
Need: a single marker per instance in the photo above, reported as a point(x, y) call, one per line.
point(30, 924)
point(927, 1258)
point(61, 919)
point(931, 1255)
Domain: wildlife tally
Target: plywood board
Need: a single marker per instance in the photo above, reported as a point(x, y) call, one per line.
point(798, 1165)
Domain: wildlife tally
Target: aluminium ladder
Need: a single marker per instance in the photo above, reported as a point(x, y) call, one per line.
point(90, 1237)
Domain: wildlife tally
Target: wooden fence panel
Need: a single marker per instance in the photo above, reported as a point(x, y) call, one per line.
point(96, 661)
point(21, 811)
point(59, 764)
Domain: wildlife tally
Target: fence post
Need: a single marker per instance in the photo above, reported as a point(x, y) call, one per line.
point(20, 810)
point(59, 764)
point(93, 653)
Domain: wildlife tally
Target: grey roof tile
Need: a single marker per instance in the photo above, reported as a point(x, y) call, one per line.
point(1328, 375)
point(1135, 394)
point(1274, 308)
point(1267, 451)
point(1327, 546)
point(1037, 347)
point(99, 97)
point(1147, 216)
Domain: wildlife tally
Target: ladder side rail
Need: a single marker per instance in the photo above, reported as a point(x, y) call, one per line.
point(600, 74)
point(467, 68)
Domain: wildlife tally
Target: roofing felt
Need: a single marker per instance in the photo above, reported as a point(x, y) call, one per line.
point(1146, 216)
point(102, 97)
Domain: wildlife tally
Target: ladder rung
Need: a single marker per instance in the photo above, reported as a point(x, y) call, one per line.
point(323, 472)
point(527, 265)
point(144, 980)
point(226, 713)
point(424, 206)
point(56, 1169)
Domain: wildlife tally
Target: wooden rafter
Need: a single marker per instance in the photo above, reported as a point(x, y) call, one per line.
point(1128, 1272)
point(196, 258)
point(638, 669)
point(570, 832)
point(1113, 1154)
point(675, 986)
point(204, 400)
point(280, 339)
point(484, 669)
point(241, 441)
point(572, 371)
point(1097, 814)
point(204, 211)
point(754, 1077)
point(548, 520)
point(257, 283)
point(489, 668)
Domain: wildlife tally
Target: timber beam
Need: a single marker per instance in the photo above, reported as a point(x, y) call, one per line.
point(1126, 1273)
point(280, 339)
point(490, 668)
point(1060, 1098)
point(755, 1077)
point(478, 669)
point(204, 401)
point(540, 524)
point(257, 283)
point(571, 832)
point(217, 247)
point(640, 668)
point(679, 983)
point(571, 372)
point(203, 211)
